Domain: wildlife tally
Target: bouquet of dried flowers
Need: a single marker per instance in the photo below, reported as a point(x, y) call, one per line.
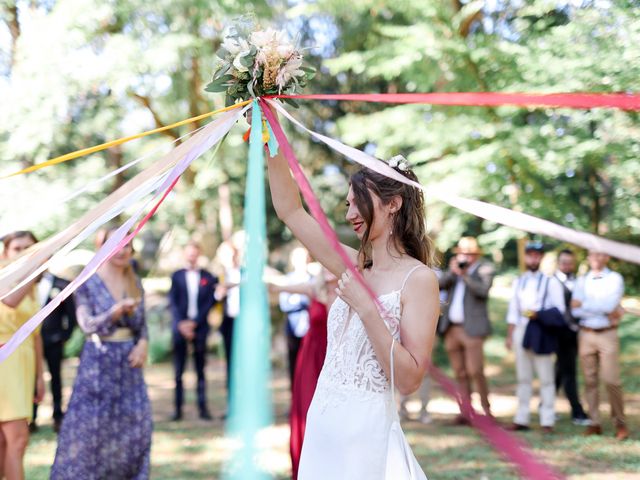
point(256, 63)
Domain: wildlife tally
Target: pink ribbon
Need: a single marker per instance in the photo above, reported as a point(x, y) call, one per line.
point(119, 238)
point(494, 213)
point(512, 448)
point(508, 445)
point(623, 101)
point(311, 199)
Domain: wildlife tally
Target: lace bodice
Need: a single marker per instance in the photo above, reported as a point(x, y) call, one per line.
point(351, 361)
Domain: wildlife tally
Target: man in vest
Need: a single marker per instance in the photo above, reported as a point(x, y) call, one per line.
point(465, 319)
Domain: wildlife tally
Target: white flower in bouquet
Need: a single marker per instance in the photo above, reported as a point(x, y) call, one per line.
point(289, 71)
point(262, 62)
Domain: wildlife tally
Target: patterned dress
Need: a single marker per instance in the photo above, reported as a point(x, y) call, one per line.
point(106, 432)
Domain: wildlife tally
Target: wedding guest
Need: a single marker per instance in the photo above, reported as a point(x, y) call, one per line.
point(106, 432)
point(533, 292)
point(191, 297)
point(21, 372)
point(228, 292)
point(313, 349)
point(56, 330)
point(566, 357)
point(596, 300)
point(295, 306)
point(465, 321)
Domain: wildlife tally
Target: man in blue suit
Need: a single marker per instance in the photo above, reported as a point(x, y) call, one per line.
point(191, 297)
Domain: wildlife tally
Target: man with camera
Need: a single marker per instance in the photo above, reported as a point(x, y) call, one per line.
point(465, 320)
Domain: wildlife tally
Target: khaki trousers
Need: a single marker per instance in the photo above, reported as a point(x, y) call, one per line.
point(599, 357)
point(528, 362)
point(466, 356)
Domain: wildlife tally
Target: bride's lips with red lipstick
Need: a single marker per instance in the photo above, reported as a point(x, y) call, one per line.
point(357, 226)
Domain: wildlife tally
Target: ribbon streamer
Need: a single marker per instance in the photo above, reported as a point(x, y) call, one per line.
point(312, 200)
point(250, 408)
point(510, 447)
point(494, 213)
point(623, 101)
point(210, 136)
point(17, 271)
point(119, 141)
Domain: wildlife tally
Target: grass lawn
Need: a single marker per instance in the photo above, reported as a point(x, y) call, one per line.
point(193, 449)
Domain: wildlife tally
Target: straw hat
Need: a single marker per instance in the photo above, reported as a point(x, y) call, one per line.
point(468, 246)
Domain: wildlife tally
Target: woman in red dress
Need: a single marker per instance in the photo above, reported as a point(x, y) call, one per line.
point(313, 349)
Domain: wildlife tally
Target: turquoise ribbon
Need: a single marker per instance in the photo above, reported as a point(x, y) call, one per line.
point(250, 407)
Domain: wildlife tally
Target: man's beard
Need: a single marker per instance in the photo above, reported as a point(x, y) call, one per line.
point(533, 268)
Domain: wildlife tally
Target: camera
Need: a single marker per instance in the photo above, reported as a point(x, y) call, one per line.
point(462, 265)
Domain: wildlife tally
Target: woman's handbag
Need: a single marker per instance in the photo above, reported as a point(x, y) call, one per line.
point(401, 463)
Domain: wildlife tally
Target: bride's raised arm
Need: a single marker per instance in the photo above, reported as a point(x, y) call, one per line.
point(288, 205)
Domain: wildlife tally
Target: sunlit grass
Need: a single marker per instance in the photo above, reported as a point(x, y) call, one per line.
point(193, 449)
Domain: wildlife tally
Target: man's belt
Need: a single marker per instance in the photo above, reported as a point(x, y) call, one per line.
point(598, 330)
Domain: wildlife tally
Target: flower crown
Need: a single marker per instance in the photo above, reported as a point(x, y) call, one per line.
point(399, 162)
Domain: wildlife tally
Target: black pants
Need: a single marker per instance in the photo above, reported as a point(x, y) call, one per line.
point(53, 354)
point(226, 330)
point(293, 346)
point(180, 349)
point(566, 370)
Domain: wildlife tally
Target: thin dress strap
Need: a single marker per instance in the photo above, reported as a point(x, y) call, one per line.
point(409, 274)
point(391, 367)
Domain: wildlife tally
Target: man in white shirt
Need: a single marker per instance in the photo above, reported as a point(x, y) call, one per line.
point(595, 302)
point(533, 291)
point(191, 297)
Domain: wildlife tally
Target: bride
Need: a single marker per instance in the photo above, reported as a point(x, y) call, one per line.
point(349, 420)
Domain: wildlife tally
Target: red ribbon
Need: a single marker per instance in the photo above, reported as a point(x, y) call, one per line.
point(508, 445)
point(623, 101)
point(311, 199)
point(512, 448)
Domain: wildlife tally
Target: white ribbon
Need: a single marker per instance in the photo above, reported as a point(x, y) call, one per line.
point(494, 213)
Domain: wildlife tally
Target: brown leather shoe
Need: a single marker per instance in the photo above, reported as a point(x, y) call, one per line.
point(547, 430)
point(460, 421)
point(593, 430)
point(516, 427)
point(622, 433)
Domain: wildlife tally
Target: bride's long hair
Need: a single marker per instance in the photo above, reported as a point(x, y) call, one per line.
point(408, 230)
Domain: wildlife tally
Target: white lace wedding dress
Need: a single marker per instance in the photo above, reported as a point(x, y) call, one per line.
point(348, 422)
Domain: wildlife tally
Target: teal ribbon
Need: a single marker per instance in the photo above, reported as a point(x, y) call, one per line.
point(250, 406)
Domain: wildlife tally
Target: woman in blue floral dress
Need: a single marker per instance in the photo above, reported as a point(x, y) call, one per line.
point(106, 432)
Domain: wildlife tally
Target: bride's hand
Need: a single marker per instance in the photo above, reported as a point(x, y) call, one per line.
point(353, 293)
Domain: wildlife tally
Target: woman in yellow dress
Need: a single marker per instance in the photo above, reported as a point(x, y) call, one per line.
point(21, 373)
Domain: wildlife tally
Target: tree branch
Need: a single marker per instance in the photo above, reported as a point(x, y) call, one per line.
point(146, 102)
point(14, 30)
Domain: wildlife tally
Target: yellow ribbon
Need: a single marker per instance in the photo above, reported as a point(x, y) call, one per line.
point(120, 141)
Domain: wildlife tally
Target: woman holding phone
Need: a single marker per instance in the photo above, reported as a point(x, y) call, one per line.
point(106, 432)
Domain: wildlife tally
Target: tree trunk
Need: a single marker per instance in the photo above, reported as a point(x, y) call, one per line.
point(13, 23)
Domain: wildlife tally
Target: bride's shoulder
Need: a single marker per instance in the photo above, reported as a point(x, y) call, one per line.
point(418, 278)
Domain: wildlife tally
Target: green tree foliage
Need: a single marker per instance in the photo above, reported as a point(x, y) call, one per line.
point(577, 168)
point(79, 72)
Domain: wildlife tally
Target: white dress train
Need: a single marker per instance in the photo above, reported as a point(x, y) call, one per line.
point(349, 420)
